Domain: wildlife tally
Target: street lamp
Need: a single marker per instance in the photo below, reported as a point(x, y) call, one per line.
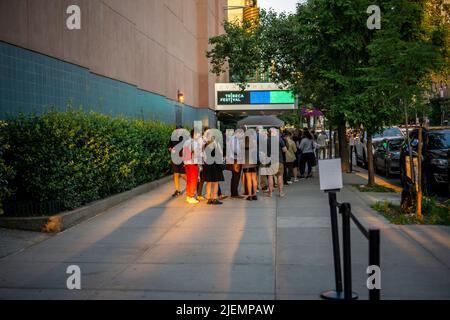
point(180, 96)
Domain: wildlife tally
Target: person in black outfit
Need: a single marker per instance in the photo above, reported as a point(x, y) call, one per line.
point(236, 169)
point(177, 169)
point(213, 172)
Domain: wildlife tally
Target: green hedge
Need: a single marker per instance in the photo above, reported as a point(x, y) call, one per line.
point(75, 157)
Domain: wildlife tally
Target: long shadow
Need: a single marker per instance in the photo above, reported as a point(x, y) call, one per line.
point(85, 247)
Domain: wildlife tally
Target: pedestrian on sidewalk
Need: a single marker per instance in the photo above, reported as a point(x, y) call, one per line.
point(352, 144)
point(296, 139)
point(202, 181)
point(177, 169)
point(322, 145)
point(308, 156)
point(275, 169)
point(213, 171)
point(191, 150)
point(250, 169)
point(290, 158)
point(235, 167)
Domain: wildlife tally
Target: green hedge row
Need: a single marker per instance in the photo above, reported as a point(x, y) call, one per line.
point(75, 157)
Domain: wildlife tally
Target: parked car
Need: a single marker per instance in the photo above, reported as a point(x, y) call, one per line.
point(361, 143)
point(387, 156)
point(435, 158)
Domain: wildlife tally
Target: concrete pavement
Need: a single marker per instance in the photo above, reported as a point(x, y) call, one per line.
point(156, 247)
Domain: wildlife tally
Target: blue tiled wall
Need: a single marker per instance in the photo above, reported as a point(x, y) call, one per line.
point(32, 82)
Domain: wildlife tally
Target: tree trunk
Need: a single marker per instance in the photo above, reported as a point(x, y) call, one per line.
point(370, 167)
point(419, 176)
point(344, 152)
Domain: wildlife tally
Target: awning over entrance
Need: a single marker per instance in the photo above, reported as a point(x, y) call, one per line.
point(264, 121)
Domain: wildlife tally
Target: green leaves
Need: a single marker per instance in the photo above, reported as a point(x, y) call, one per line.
point(238, 50)
point(78, 157)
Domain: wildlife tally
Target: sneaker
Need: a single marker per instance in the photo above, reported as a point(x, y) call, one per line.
point(249, 198)
point(282, 195)
point(254, 198)
point(176, 194)
point(216, 202)
point(289, 182)
point(200, 198)
point(192, 200)
point(296, 180)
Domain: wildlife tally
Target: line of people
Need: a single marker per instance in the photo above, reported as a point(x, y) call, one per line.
point(296, 152)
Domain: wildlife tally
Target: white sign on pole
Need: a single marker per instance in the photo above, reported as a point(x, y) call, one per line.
point(330, 173)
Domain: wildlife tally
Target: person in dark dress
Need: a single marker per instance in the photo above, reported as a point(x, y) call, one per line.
point(177, 169)
point(213, 172)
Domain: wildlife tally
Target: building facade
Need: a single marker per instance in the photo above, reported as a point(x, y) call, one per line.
point(128, 58)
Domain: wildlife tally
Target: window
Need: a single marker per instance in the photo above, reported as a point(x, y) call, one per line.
point(439, 140)
point(395, 145)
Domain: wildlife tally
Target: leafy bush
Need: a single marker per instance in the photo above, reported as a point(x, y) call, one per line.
point(74, 157)
point(433, 212)
point(6, 172)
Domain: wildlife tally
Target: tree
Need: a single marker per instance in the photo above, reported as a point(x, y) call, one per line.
point(411, 46)
point(327, 56)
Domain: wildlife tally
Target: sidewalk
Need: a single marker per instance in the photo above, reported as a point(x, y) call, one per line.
point(156, 247)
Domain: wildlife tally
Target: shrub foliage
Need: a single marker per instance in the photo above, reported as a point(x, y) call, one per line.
point(75, 157)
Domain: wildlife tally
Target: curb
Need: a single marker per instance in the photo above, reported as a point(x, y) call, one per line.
point(66, 220)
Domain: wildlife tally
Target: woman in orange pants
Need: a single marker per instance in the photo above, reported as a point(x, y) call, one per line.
point(191, 167)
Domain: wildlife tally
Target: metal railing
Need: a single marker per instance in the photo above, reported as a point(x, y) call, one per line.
point(344, 290)
point(27, 208)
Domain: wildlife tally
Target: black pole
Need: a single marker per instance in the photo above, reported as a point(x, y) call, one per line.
point(335, 294)
point(374, 258)
point(335, 238)
point(345, 210)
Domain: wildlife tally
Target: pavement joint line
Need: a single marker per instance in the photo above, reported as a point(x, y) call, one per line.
point(402, 229)
point(155, 263)
point(188, 291)
point(148, 249)
point(26, 248)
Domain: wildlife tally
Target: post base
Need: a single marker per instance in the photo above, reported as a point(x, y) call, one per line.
point(335, 295)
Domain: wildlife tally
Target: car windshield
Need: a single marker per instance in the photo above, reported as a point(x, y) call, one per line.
point(395, 145)
point(392, 132)
point(439, 140)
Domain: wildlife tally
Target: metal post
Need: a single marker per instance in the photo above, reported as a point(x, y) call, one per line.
point(338, 293)
point(345, 210)
point(374, 258)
